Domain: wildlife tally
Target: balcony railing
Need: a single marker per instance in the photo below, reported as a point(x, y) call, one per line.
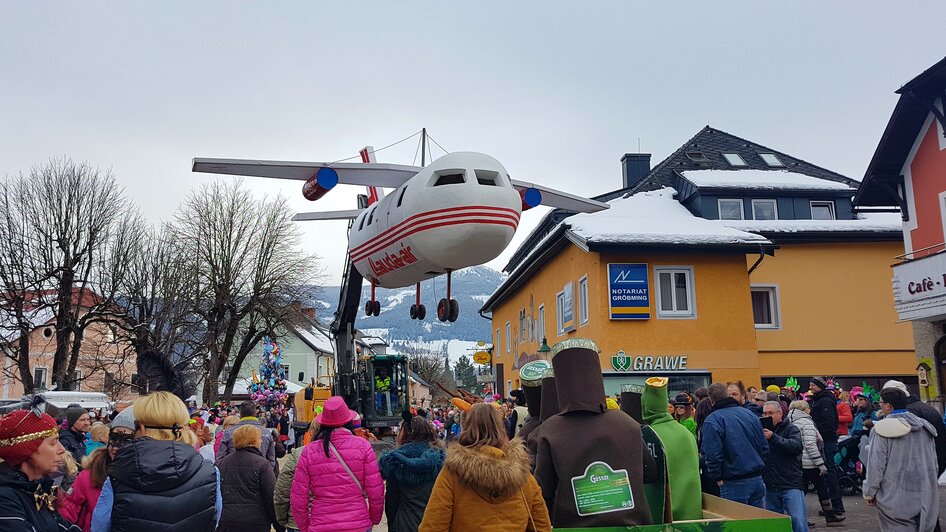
point(922, 252)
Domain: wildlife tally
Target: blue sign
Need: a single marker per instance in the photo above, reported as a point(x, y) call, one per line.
point(628, 292)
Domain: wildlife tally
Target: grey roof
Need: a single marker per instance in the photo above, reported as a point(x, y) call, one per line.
point(712, 143)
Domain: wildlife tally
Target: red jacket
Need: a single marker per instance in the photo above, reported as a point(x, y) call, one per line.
point(78, 505)
point(336, 501)
point(845, 417)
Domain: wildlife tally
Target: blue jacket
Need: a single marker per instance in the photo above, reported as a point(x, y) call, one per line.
point(733, 443)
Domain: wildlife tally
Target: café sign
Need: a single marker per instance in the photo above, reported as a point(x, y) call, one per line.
point(919, 287)
point(622, 362)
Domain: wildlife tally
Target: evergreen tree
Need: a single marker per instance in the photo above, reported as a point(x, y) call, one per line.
point(463, 372)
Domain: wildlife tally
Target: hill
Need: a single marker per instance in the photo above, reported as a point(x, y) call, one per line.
point(471, 287)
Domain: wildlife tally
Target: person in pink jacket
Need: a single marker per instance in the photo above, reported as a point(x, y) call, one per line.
point(324, 495)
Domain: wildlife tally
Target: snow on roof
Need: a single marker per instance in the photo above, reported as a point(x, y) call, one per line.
point(866, 223)
point(760, 180)
point(316, 338)
point(654, 217)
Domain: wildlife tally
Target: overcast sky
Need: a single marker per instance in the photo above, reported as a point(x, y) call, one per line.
point(556, 91)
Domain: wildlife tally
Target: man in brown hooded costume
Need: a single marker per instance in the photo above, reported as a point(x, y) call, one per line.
point(548, 408)
point(589, 460)
point(531, 376)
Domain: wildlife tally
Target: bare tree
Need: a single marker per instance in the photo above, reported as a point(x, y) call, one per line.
point(19, 309)
point(249, 271)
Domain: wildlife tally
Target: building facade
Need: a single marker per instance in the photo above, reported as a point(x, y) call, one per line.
point(908, 174)
point(726, 261)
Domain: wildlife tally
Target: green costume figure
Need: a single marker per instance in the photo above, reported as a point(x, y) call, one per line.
point(683, 463)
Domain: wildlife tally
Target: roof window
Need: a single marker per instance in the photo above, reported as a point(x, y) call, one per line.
point(698, 157)
point(770, 159)
point(734, 159)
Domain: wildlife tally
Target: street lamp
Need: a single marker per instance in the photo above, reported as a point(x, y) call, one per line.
point(544, 349)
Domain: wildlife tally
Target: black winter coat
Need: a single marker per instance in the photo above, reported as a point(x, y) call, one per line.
point(824, 412)
point(783, 469)
point(162, 486)
point(927, 412)
point(74, 443)
point(410, 472)
point(247, 482)
point(18, 511)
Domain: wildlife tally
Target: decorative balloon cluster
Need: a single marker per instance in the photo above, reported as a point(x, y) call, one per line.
point(269, 387)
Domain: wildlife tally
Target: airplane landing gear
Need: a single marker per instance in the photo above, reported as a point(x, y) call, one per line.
point(448, 309)
point(418, 311)
point(373, 306)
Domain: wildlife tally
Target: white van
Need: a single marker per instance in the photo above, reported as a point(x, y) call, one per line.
point(87, 400)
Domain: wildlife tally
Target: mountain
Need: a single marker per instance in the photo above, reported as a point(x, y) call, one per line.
point(471, 288)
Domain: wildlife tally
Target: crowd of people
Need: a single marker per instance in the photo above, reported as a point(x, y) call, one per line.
point(502, 464)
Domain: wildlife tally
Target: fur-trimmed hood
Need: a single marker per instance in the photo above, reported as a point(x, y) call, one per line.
point(494, 474)
point(412, 464)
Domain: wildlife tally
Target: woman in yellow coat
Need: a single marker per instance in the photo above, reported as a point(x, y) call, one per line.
point(485, 483)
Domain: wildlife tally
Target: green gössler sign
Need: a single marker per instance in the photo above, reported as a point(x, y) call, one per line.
point(601, 490)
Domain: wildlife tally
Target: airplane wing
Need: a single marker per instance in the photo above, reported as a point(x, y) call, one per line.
point(327, 215)
point(562, 200)
point(368, 174)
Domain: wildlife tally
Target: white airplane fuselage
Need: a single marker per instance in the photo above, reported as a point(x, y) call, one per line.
point(459, 211)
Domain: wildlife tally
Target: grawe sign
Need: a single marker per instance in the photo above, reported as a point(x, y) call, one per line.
point(622, 362)
point(919, 287)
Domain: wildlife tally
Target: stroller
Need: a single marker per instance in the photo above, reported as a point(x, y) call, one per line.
point(851, 471)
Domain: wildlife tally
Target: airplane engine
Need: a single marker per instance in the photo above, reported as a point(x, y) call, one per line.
point(531, 197)
point(320, 184)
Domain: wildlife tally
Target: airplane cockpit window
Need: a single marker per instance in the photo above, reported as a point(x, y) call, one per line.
point(487, 177)
point(371, 214)
point(400, 198)
point(449, 177)
point(361, 225)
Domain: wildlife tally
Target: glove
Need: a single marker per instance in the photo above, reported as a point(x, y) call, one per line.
point(822, 470)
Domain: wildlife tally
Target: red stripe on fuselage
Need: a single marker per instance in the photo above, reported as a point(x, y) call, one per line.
point(400, 225)
point(421, 227)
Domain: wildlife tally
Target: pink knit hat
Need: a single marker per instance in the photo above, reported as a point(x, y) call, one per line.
point(335, 413)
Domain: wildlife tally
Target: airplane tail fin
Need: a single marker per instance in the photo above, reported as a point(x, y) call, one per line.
point(374, 193)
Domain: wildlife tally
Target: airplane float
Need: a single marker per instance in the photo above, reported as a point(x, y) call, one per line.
point(461, 210)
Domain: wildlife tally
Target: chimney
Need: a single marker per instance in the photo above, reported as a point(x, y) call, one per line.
point(634, 167)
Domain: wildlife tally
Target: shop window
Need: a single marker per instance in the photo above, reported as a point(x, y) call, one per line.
point(765, 307)
point(675, 295)
point(730, 209)
point(822, 210)
point(508, 337)
point(583, 300)
point(764, 209)
point(39, 377)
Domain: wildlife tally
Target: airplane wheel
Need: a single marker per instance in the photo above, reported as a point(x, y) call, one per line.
point(454, 310)
point(421, 312)
point(376, 308)
point(413, 312)
point(369, 308)
point(443, 310)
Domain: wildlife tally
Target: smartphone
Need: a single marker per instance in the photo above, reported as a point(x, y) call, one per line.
point(767, 423)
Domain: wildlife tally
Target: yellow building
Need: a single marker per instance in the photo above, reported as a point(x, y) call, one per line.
point(742, 262)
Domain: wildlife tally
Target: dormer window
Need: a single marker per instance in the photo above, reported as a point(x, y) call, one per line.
point(734, 159)
point(770, 159)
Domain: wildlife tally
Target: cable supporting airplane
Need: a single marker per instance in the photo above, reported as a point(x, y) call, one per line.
point(459, 211)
